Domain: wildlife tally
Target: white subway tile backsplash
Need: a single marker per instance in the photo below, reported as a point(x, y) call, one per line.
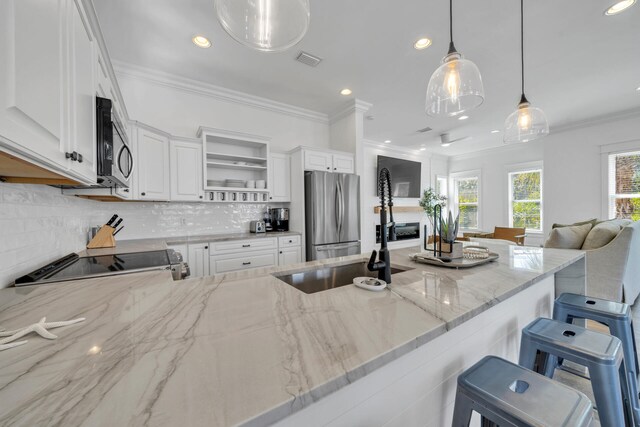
point(38, 224)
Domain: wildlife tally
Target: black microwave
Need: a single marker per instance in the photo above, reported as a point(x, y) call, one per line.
point(114, 157)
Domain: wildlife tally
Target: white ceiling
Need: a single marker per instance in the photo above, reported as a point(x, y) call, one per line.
point(580, 64)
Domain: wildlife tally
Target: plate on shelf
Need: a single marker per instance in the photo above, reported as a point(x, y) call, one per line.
point(235, 183)
point(215, 183)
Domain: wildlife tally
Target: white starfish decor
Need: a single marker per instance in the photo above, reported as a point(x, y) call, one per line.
point(40, 328)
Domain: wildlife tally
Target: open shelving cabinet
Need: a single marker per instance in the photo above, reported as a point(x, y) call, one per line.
point(234, 155)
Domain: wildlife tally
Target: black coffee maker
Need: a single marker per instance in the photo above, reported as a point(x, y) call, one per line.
point(280, 219)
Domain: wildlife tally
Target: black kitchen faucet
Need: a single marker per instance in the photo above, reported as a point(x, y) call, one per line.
point(383, 267)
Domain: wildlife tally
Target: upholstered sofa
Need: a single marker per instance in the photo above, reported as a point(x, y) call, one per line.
point(613, 270)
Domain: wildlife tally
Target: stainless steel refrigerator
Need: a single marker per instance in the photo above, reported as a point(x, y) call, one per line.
point(332, 214)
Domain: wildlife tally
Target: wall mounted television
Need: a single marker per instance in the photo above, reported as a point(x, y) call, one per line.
point(405, 176)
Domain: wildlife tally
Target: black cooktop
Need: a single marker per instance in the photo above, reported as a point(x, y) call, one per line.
point(73, 267)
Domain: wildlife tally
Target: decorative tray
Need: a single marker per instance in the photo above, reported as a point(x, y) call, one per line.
point(464, 262)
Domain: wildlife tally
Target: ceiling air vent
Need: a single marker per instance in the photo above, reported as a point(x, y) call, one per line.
point(308, 59)
point(427, 129)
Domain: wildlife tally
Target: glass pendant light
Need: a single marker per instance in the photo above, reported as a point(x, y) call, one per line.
point(456, 86)
point(526, 123)
point(265, 25)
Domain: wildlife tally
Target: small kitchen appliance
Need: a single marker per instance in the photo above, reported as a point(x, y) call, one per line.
point(267, 220)
point(114, 159)
point(257, 227)
point(280, 219)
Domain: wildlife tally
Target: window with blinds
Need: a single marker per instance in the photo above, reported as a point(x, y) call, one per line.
point(467, 201)
point(624, 185)
point(525, 200)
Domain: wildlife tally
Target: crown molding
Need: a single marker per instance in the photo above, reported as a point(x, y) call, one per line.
point(597, 120)
point(357, 105)
point(173, 81)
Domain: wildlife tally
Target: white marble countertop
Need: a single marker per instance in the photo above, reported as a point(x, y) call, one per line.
point(160, 243)
point(241, 348)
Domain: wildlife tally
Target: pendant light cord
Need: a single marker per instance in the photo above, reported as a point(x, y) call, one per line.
point(522, 45)
point(450, 21)
point(452, 48)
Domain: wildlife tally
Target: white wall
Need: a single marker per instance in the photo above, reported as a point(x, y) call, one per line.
point(572, 161)
point(370, 200)
point(493, 165)
point(572, 177)
point(179, 106)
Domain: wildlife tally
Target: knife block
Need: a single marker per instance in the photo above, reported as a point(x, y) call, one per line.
point(103, 238)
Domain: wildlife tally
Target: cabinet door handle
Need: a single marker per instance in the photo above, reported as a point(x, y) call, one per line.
point(143, 194)
point(206, 247)
point(290, 241)
point(246, 263)
point(73, 156)
point(246, 246)
point(79, 157)
point(328, 168)
point(280, 251)
point(335, 169)
point(126, 190)
point(200, 197)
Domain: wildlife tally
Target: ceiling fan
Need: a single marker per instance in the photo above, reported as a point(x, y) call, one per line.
point(445, 139)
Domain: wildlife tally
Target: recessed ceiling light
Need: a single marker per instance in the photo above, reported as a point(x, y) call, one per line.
point(619, 7)
point(387, 141)
point(422, 43)
point(345, 92)
point(495, 131)
point(201, 41)
point(423, 148)
point(638, 88)
point(446, 145)
point(463, 117)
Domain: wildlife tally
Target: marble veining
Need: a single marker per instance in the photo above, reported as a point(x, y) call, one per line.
point(238, 349)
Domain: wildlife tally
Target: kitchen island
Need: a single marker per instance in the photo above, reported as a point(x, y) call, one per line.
point(248, 349)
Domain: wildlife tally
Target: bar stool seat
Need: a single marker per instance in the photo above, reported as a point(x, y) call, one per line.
point(506, 394)
point(601, 353)
point(617, 317)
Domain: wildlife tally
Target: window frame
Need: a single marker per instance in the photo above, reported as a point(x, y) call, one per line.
point(524, 168)
point(453, 189)
point(609, 185)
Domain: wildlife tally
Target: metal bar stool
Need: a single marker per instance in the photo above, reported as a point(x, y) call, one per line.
point(506, 394)
point(600, 353)
point(617, 317)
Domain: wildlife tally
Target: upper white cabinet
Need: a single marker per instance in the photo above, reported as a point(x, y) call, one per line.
point(82, 62)
point(152, 165)
point(343, 163)
point(32, 87)
point(328, 161)
point(280, 177)
point(186, 170)
point(317, 161)
point(234, 160)
point(48, 83)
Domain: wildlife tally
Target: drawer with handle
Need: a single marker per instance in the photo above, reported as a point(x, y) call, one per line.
point(235, 246)
point(288, 241)
point(238, 262)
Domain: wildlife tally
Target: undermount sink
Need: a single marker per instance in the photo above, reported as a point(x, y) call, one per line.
point(325, 278)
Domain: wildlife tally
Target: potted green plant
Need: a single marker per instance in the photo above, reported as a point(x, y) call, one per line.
point(448, 232)
point(430, 199)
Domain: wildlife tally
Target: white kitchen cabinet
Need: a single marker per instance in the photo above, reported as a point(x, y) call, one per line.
point(152, 165)
point(343, 163)
point(288, 256)
point(317, 161)
point(289, 250)
point(280, 177)
point(186, 170)
point(32, 88)
point(82, 103)
point(239, 261)
point(328, 161)
point(198, 259)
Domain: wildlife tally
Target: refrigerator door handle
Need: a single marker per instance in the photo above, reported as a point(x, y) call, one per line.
point(340, 209)
point(325, 248)
point(337, 208)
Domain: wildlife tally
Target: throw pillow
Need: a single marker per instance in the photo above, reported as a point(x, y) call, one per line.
point(601, 235)
point(592, 221)
point(570, 237)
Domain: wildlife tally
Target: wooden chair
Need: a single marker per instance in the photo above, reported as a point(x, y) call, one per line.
point(515, 234)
